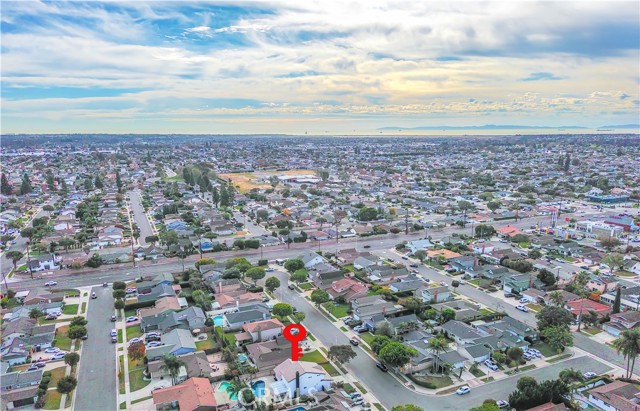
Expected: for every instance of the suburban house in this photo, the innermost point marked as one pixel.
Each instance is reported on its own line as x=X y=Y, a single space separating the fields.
x=386 y=274
x=516 y=283
x=269 y=354
x=508 y=325
x=246 y=314
x=305 y=378
x=24 y=310
x=264 y=330
x=190 y=319
x=460 y=332
x=157 y=292
x=419 y=245
x=175 y=342
x=310 y=259
x=368 y=307
x=549 y=406
x=601 y=283
x=162 y=304
x=44 y=262
x=193 y=394
x=19 y=389
x=437 y=294
x=366 y=261
x=464 y=310
x=147 y=286
x=630 y=298
x=452 y=358
x=584 y=305
x=566 y=296
x=22 y=334
x=409 y=284
x=348 y=289
x=533 y=295
x=621 y=322
x=196 y=364
x=615 y=396
x=324 y=275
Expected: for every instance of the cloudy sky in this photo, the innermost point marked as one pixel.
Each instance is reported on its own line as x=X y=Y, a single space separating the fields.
x=316 y=66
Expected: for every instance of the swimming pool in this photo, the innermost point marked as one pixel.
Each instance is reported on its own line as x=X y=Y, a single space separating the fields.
x=298 y=409
x=223 y=388
x=258 y=388
x=218 y=321
x=243 y=357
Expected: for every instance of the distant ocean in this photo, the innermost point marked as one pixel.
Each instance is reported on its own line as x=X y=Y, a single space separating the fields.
x=504 y=132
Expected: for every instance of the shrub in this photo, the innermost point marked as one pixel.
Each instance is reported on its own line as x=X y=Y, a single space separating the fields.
x=263 y=262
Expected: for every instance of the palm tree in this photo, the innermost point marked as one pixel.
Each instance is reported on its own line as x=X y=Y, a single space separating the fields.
x=172 y=365
x=629 y=345
x=234 y=387
x=556 y=298
x=438 y=345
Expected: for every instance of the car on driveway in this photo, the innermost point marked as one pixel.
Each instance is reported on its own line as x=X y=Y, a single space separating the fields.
x=491 y=365
x=589 y=375
x=522 y=308
x=527 y=355
x=136 y=340
x=32 y=368
x=51 y=317
x=130 y=290
x=132 y=319
x=50 y=283
x=382 y=367
x=463 y=390
x=39 y=365
x=52 y=350
x=535 y=352
x=153 y=344
x=523 y=300
x=58 y=356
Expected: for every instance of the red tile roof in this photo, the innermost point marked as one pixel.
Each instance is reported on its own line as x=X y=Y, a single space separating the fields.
x=194 y=393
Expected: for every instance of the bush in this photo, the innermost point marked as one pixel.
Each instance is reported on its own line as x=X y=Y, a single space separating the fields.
x=421 y=383
x=255 y=289
x=135 y=306
x=263 y=262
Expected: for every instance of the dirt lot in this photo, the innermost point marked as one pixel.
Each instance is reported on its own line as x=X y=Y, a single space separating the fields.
x=247 y=181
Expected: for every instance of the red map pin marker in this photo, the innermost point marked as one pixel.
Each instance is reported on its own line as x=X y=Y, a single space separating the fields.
x=295 y=338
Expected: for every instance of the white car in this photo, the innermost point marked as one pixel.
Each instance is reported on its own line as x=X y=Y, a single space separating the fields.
x=130 y=291
x=535 y=352
x=58 y=356
x=491 y=365
x=132 y=319
x=502 y=404
x=523 y=300
x=154 y=344
x=589 y=375
x=463 y=390
x=522 y=308
x=135 y=340
x=52 y=350
x=50 y=283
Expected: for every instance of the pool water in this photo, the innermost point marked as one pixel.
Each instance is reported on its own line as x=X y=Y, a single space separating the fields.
x=223 y=388
x=298 y=409
x=258 y=388
x=242 y=357
x=218 y=321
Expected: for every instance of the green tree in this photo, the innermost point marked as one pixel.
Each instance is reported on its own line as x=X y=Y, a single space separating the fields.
x=169 y=237
x=282 y=310
x=272 y=284
x=319 y=296
x=299 y=276
x=614 y=260
x=66 y=384
x=629 y=345
x=494 y=205
x=558 y=337
x=94 y=261
x=378 y=342
x=341 y=354
x=569 y=376
x=119 y=285
x=76 y=331
x=447 y=315
x=25 y=186
x=255 y=273
x=172 y=365
x=534 y=254
x=293 y=265
x=78 y=320
x=66 y=243
x=98 y=182
x=546 y=277
x=397 y=354
x=550 y=316
x=136 y=351
x=385 y=328
x=487 y=405
x=616 y=303
x=437 y=345
x=5 y=188
x=420 y=255
x=204 y=261
x=118 y=304
x=151 y=239
x=14 y=256
x=71 y=359
x=367 y=214
x=515 y=354
x=118 y=294
x=608 y=242
x=556 y=298
x=202 y=299
x=299 y=317
x=414 y=304
x=484 y=231
x=35 y=313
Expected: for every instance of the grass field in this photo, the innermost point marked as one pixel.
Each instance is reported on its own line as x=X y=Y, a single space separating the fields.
x=305 y=286
x=56 y=375
x=136 y=380
x=545 y=349
x=205 y=344
x=133 y=332
x=62 y=341
x=592 y=331
x=83 y=309
x=367 y=337
x=247 y=181
x=52 y=400
x=337 y=310
x=317 y=357
x=70 y=309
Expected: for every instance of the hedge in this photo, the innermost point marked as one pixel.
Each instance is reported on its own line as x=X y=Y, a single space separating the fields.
x=421 y=383
x=135 y=306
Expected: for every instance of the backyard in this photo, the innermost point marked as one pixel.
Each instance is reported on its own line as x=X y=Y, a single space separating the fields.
x=62 y=341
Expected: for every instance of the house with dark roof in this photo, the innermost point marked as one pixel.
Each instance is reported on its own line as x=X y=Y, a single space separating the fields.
x=621 y=322
x=196 y=364
x=175 y=342
x=247 y=313
x=268 y=354
x=437 y=294
x=188 y=319
x=19 y=389
x=460 y=332
x=156 y=292
x=615 y=396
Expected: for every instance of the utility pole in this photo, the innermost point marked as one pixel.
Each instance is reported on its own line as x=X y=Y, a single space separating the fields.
x=29 y=259
x=200 y=244
x=406 y=221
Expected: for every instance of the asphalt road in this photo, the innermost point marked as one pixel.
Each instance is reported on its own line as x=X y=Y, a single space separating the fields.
x=139 y=216
x=97 y=377
x=389 y=391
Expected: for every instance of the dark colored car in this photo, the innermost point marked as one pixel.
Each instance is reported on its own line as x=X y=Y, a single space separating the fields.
x=291 y=287
x=367 y=246
x=85 y=337
x=354 y=342
x=507 y=295
x=382 y=367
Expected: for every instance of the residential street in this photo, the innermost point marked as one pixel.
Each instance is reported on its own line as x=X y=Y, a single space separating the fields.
x=139 y=216
x=97 y=377
x=389 y=391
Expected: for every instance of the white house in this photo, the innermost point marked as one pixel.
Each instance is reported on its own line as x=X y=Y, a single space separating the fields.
x=44 y=262
x=311 y=259
x=416 y=245
x=264 y=330
x=307 y=376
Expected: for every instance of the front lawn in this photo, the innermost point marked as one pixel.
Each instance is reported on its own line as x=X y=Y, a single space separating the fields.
x=624 y=274
x=592 y=331
x=477 y=372
x=133 y=332
x=52 y=400
x=70 y=309
x=136 y=380
x=56 y=375
x=367 y=337
x=545 y=349
x=62 y=340
x=486 y=311
x=534 y=307
x=305 y=286
x=337 y=310
x=313 y=356
x=429 y=381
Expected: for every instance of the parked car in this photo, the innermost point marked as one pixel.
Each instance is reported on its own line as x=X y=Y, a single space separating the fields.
x=114 y=339
x=32 y=368
x=52 y=350
x=404 y=257
x=589 y=375
x=40 y=364
x=354 y=341
x=527 y=355
x=291 y=287
x=584 y=267
x=346 y=320
x=58 y=356
x=85 y=337
x=136 y=340
x=463 y=390
x=522 y=308
x=491 y=365
x=130 y=290
x=535 y=352
x=132 y=319
x=366 y=246
x=382 y=367
x=105 y=284
x=153 y=344
x=50 y=283
x=502 y=404
x=523 y=300
x=51 y=317
x=113 y=318
x=413 y=265
x=93 y=296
